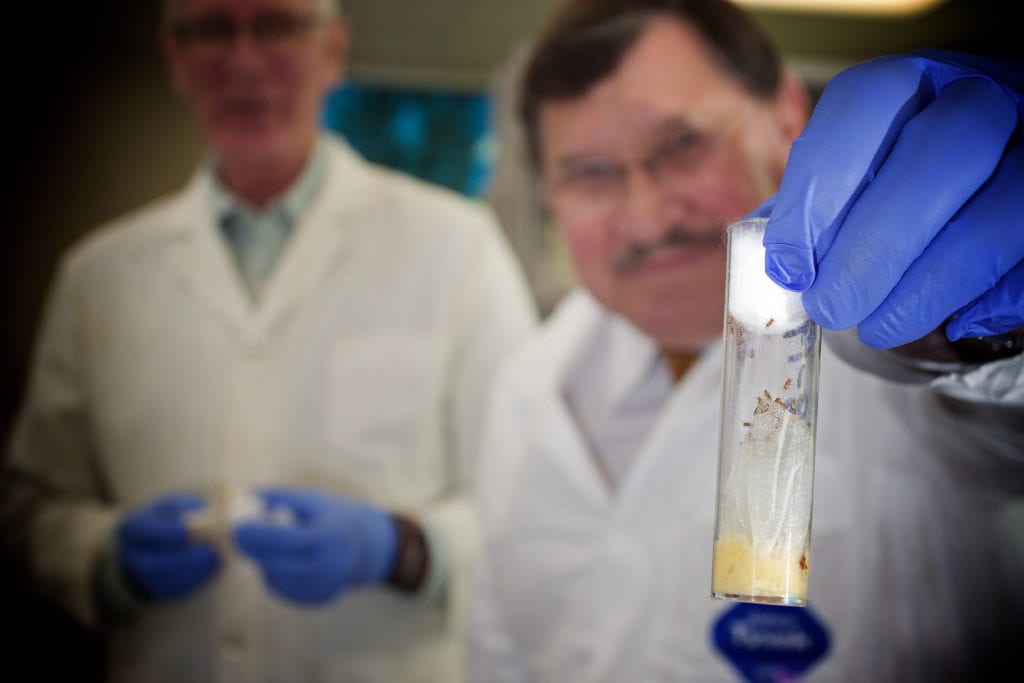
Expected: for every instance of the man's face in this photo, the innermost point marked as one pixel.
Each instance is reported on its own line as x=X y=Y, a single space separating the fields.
x=256 y=72
x=645 y=170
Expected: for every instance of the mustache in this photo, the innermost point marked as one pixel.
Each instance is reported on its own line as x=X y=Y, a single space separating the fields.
x=637 y=253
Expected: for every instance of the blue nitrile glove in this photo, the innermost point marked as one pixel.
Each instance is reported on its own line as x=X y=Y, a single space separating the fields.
x=155 y=551
x=333 y=544
x=902 y=203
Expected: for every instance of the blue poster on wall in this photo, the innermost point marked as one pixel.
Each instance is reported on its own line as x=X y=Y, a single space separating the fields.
x=441 y=136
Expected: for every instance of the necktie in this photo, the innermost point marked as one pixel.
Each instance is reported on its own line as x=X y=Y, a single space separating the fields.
x=259 y=240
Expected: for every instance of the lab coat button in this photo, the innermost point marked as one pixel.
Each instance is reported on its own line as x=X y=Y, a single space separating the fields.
x=232 y=649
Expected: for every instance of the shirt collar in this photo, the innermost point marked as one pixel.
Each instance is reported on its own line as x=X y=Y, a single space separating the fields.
x=289 y=205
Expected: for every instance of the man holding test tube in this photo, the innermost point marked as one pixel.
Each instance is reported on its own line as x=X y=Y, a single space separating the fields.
x=655 y=123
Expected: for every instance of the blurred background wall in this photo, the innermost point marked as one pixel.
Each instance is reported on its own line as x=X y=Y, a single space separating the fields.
x=93 y=129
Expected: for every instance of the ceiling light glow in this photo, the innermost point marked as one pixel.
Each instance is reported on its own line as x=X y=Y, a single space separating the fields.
x=893 y=8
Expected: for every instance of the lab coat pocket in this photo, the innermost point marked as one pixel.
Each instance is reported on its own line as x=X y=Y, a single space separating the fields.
x=383 y=396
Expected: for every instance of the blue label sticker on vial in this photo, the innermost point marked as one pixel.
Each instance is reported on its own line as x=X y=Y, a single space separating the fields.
x=770 y=644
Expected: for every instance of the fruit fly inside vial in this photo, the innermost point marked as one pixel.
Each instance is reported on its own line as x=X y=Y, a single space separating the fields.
x=766 y=449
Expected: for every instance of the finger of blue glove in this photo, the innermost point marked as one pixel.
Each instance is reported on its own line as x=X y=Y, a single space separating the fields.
x=931 y=172
x=999 y=311
x=848 y=136
x=295 y=581
x=163 y=575
x=967 y=260
x=947 y=64
x=264 y=542
x=361 y=545
x=371 y=530
x=299 y=564
x=159 y=524
x=334 y=543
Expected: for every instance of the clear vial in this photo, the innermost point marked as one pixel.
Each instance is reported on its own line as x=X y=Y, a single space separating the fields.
x=766 y=449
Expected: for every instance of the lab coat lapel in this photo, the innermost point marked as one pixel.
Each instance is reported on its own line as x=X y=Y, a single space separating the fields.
x=201 y=260
x=570 y=448
x=678 y=463
x=341 y=202
x=569 y=451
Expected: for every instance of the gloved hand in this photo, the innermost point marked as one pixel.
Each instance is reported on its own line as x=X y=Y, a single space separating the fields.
x=334 y=544
x=155 y=551
x=902 y=203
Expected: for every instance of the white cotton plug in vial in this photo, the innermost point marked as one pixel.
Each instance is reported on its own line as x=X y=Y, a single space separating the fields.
x=766 y=448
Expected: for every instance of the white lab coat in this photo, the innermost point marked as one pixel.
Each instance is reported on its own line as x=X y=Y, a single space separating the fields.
x=362 y=371
x=579 y=583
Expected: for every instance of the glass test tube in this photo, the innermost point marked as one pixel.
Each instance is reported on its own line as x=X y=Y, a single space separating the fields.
x=766 y=449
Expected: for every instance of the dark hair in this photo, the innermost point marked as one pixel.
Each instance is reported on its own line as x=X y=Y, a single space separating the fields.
x=586 y=40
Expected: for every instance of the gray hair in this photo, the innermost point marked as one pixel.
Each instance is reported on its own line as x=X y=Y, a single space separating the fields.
x=330 y=8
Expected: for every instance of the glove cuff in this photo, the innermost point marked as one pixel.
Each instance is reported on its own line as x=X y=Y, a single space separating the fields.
x=117 y=600
x=927 y=358
x=412 y=560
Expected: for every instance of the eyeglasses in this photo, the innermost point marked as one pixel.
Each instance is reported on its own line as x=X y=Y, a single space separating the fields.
x=594 y=184
x=214 y=34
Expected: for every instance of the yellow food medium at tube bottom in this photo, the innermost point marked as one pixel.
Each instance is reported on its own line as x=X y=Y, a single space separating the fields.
x=764 y=578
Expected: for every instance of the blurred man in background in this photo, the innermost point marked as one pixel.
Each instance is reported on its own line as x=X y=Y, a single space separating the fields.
x=655 y=123
x=248 y=434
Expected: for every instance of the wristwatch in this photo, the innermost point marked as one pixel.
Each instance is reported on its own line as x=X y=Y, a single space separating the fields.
x=413 y=560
